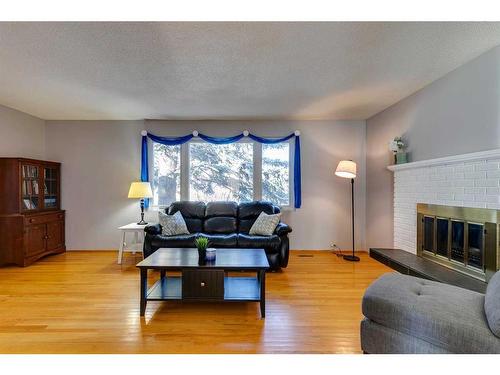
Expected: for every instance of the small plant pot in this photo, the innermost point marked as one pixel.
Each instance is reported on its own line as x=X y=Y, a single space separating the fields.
x=202 y=256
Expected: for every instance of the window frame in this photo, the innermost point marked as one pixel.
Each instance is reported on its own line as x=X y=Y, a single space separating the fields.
x=257 y=170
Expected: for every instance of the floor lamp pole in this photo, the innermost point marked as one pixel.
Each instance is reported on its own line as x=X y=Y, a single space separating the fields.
x=352 y=258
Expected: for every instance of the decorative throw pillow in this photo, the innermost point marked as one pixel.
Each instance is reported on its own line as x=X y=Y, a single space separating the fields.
x=172 y=225
x=265 y=224
x=492 y=304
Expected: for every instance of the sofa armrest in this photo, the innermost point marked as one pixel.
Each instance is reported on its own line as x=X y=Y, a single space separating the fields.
x=282 y=229
x=153 y=229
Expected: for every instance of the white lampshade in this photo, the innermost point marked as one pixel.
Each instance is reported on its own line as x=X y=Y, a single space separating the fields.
x=140 y=190
x=346 y=169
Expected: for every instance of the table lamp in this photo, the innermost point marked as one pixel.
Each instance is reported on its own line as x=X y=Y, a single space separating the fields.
x=347 y=169
x=140 y=190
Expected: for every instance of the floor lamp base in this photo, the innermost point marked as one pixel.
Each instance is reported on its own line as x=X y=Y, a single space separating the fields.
x=351 y=258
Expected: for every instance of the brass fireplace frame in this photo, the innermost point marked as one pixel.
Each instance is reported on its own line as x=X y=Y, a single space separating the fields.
x=489 y=218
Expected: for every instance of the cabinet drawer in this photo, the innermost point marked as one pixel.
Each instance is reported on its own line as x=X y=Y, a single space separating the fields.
x=203 y=284
x=42 y=219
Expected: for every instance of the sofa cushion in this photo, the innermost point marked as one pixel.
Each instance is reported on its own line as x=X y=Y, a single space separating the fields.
x=265 y=224
x=172 y=225
x=221 y=240
x=220 y=217
x=492 y=304
x=183 y=240
x=269 y=242
x=248 y=212
x=224 y=208
x=192 y=212
x=224 y=225
x=443 y=315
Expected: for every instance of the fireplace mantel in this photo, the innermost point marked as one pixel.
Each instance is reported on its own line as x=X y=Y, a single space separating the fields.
x=473 y=156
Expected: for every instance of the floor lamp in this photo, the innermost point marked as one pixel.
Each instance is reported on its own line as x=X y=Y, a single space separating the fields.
x=347 y=169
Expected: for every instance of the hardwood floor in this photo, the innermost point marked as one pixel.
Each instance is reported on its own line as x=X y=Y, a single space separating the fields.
x=83 y=302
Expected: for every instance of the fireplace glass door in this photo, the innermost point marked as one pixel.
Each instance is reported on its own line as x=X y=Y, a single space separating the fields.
x=457 y=241
x=429 y=234
x=442 y=237
x=475 y=254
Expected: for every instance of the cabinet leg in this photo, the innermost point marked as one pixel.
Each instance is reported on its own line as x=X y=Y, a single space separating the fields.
x=120 y=251
x=144 y=290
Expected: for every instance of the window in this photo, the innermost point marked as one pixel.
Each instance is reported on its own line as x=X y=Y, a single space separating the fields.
x=221 y=172
x=276 y=173
x=242 y=171
x=166 y=182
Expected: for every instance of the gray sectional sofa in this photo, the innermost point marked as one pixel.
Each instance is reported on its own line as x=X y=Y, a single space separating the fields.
x=405 y=314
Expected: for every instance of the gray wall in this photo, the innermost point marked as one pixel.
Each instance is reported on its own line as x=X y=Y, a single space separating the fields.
x=21 y=134
x=454 y=115
x=101 y=158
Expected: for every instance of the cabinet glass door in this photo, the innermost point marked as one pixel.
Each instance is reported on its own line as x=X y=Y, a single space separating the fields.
x=30 y=194
x=50 y=193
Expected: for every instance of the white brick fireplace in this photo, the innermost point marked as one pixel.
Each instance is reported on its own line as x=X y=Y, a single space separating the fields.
x=468 y=180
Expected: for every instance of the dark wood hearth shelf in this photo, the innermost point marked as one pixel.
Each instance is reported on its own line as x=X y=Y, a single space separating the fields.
x=410 y=264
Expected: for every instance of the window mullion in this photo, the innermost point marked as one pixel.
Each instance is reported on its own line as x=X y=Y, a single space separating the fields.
x=257 y=171
x=185 y=171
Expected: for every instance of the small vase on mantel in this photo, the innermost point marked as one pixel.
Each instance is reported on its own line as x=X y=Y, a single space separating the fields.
x=401 y=157
x=398 y=147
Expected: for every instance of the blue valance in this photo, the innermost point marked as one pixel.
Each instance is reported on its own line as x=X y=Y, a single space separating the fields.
x=172 y=141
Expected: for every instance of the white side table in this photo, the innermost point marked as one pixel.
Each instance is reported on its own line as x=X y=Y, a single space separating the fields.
x=137 y=245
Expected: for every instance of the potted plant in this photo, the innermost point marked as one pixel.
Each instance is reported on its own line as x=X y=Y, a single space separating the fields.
x=201 y=244
x=398 y=146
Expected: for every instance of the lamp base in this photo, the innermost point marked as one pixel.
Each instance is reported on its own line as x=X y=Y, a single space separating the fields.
x=351 y=258
x=142 y=222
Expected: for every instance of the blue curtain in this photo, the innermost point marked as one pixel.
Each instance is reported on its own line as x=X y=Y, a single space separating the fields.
x=144 y=165
x=297 y=189
x=221 y=141
x=172 y=141
x=270 y=141
x=169 y=141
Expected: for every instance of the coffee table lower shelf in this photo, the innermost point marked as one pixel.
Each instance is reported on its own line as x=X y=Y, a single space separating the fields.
x=216 y=281
x=236 y=289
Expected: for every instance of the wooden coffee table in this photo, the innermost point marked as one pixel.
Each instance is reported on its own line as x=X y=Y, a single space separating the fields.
x=208 y=282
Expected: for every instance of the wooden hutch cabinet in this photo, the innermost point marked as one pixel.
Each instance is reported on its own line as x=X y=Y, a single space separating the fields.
x=31 y=219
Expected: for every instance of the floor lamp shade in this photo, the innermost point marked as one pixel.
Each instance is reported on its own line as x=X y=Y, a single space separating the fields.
x=347 y=169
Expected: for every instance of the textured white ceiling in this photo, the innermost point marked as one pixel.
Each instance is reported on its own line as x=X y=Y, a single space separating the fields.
x=187 y=70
